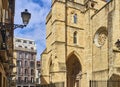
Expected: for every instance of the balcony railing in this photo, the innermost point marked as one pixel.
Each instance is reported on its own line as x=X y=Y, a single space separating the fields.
x=20 y=73
x=3 y=55
x=103 y=83
x=58 y=84
x=12 y=65
x=13 y=83
x=6 y=66
x=13 y=74
x=32 y=74
x=25 y=49
x=25 y=82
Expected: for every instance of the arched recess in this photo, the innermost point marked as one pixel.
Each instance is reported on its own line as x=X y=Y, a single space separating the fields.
x=49 y=62
x=50 y=68
x=114 y=81
x=74 y=71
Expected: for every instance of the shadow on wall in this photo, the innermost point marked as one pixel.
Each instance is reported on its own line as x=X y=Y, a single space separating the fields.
x=43 y=81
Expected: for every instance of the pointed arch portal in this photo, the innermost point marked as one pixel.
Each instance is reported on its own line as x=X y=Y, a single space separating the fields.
x=73 y=71
x=114 y=81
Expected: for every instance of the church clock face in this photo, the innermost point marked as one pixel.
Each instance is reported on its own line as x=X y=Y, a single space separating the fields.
x=100 y=37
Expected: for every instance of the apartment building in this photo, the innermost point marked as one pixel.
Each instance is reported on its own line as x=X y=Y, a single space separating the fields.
x=7 y=8
x=25 y=54
x=38 y=65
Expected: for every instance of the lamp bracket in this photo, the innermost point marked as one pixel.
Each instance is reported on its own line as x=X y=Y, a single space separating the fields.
x=10 y=26
x=18 y=26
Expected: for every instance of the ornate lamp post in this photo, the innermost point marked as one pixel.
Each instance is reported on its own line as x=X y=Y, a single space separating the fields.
x=4 y=26
x=5 y=29
x=118 y=44
x=25 y=18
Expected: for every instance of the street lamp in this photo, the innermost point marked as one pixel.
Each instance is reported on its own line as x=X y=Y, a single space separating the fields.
x=6 y=26
x=25 y=18
x=118 y=44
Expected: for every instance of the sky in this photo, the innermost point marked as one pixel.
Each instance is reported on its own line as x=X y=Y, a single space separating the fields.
x=36 y=29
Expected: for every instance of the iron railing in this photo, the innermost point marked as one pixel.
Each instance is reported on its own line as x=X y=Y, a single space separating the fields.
x=105 y=83
x=58 y=84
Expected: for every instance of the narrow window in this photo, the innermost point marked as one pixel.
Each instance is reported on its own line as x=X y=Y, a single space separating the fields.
x=32 y=79
x=26 y=72
x=19 y=71
x=75 y=18
x=24 y=41
x=20 y=46
x=32 y=48
x=75 y=37
x=32 y=72
x=18 y=40
x=26 y=55
x=18 y=63
x=25 y=46
x=25 y=63
x=20 y=55
x=19 y=79
x=25 y=79
x=32 y=64
x=32 y=56
x=30 y=42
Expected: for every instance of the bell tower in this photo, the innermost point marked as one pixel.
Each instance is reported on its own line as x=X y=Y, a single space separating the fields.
x=63 y=23
x=55 y=42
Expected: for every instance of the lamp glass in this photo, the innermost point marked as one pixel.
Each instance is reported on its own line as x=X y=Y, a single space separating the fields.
x=25 y=17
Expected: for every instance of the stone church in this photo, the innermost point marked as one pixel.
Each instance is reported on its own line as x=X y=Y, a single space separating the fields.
x=82 y=44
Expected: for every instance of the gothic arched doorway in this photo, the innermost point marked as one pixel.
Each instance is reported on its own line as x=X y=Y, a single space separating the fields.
x=73 y=71
x=114 y=81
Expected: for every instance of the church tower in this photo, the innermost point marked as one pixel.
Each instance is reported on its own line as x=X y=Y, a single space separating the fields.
x=68 y=60
x=64 y=25
x=54 y=70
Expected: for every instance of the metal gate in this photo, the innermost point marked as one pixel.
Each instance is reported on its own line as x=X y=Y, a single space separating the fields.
x=58 y=84
x=104 y=83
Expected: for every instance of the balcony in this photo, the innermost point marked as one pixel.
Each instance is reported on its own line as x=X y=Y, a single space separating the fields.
x=6 y=66
x=25 y=49
x=13 y=74
x=25 y=82
x=19 y=81
x=19 y=73
x=13 y=83
x=3 y=55
x=12 y=65
x=32 y=74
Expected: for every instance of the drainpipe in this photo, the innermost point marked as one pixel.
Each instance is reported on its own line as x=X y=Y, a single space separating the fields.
x=66 y=37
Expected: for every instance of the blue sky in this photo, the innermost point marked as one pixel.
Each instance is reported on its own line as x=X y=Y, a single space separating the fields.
x=36 y=29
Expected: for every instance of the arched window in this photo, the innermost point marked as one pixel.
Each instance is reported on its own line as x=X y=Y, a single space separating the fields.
x=26 y=71
x=75 y=18
x=75 y=37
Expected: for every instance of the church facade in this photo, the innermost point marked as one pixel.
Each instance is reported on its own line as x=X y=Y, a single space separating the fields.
x=82 y=44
